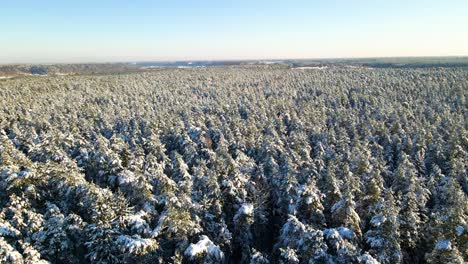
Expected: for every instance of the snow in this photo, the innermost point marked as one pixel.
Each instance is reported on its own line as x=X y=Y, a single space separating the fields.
x=15 y=256
x=258 y=257
x=375 y=242
x=32 y=255
x=443 y=244
x=343 y=232
x=367 y=259
x=346 y=232
x=135 y=244
x=310 y=195
x=290 y=255
x=126 y=177
x=292 y=225
x=246 y=209
x=459 y=229
x=359 y=67
x=311 y=68
x=331 y=233
x=160 y=225
x=151 y=67
x=340 y=204
x=8 y=253
x=174 y=200
x=25 y=174
x=378 y=220
x=8 y=230
x=204 y=246
x=137 y=222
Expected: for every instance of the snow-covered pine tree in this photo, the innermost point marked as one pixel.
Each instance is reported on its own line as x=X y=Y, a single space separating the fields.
x=301 y=243
x=383 y=235
x=447 y=229
x=344 y=212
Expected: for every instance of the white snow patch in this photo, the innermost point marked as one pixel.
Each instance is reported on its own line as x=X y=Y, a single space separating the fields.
x=137 y=222
x=151 y=67
x=160 y=225
x=311 y=68
x=378 y=220
x=126 y=177
x=375 y=242
x=367 y=259
x=343 y=232
x=25 y=174
x=346 y=232
x=9 y=254
x=135 y=244
x=290 y=255
x=443 y=244
x=459 y=229
x=331 y=233
x=204 y=246
x=246 y=209
x=15 y=256
x=8 y=230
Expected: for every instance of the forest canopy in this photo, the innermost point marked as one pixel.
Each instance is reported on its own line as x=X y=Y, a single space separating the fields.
x=239 y=164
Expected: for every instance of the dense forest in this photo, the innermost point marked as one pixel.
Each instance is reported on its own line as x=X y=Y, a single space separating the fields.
x=241 y=164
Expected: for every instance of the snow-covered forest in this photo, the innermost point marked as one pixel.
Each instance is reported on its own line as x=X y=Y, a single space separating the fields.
x=242 y=164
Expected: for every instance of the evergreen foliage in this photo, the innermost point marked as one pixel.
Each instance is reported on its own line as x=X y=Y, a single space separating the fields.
x=240 y=164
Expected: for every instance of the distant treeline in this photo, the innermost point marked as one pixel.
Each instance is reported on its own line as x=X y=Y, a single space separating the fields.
x=403 y=62
x=126 y=67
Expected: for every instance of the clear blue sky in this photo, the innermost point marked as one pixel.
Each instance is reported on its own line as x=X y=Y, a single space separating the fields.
x=104 y=30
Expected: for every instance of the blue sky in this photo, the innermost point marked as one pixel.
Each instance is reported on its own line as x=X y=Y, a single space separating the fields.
x=103 y=30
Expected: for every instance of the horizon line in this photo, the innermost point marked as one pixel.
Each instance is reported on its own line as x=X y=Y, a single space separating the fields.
x=227 y=59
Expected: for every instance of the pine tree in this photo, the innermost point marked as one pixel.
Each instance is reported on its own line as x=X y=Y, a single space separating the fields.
x=204 y=251
x=409 y=218
x=448 y=224
x=344 y=212
x=373 y=191
x=301 y=243
x=243 y=237
x=308 y=206
x=53 y=240
x=331 y=190
x=383 y=236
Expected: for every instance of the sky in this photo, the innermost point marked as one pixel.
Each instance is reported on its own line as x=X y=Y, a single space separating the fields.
x=50 y=31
